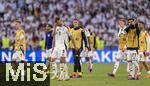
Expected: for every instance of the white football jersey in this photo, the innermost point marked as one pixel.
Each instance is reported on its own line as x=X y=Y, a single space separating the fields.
x=122 y=31
x=61 y=37
x=87 y=34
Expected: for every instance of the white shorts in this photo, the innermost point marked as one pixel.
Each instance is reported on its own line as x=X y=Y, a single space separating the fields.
x=48 y=53
x=84 y=53
x=59 y=52
x=18 y=56
x=121 y=55
x=91 y=53
x=132 y=55
x=141 y=56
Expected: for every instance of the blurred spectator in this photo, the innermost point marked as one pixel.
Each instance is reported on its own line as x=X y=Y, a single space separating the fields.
x=5 y=42
x=42 y=44
x=35 y=41
x=2 y=9
x=99 y=43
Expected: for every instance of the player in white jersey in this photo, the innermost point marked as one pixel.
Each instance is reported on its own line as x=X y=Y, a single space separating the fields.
x=122 y=47
x=92 y=47
x=84 y=52
x=60 y=37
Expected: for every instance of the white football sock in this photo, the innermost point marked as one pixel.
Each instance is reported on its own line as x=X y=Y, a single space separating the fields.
x=54 y=68
x=137 y=66
x=61 y=71
x=116 y=66
x=131 y=69
x=66 y=71
x=90 y=63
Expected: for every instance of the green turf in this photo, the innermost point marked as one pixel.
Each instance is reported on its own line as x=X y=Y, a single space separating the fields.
x=99 y=77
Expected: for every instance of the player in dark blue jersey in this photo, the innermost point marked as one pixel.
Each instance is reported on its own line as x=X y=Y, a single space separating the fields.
x=48 y=44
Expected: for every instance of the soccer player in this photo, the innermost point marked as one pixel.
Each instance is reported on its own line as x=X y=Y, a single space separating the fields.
x=20 y=47
x=143 y=48
x=92 y=47
x=122 y=46
x=48 y=46
x=78 y=36
x=60 y=40
x=132 y=43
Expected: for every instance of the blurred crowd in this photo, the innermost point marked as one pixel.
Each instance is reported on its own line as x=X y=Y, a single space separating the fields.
x=99 y=16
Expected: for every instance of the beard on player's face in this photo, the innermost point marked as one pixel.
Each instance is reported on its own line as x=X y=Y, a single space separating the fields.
x=130 y=22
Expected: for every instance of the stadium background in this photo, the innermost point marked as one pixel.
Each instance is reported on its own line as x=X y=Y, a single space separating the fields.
x=98 y=16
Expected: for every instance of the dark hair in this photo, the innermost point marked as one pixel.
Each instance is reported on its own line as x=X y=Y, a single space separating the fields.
x=57 y=19
x=76 y=20
x=142 y=22
x=130 y=19
x=49 y=25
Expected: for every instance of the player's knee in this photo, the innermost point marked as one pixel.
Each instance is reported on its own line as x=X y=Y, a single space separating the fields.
x=62 y=60
x=53 y=59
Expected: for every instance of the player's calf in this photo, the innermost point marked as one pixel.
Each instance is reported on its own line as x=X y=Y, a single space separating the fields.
x=54 y=68
x=63 y=70
x=90 y=65
x=47 y=66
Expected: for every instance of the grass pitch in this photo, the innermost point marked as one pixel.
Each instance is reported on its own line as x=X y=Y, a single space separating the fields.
x=99 y=77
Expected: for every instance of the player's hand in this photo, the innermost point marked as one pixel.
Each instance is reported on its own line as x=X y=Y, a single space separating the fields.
x=135 y=22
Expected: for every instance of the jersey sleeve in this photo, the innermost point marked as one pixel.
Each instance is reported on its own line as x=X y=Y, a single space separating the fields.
x=67 y=32
x=87 y=33
x=84 y=38
x=148 y=42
